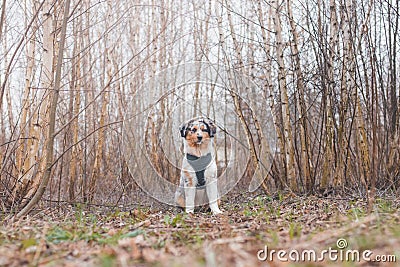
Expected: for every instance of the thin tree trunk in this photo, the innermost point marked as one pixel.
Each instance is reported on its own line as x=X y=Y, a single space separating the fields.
x=329 y=174
x=2 y=17
x=24 y=164
x=305 y=154
x=375 y=129
x=394 y=119
x=241 y=109
x=52 y=121
x=74 y=110
x=33 y=167
x=276 y=112
x=103 y=113
x=289 y=148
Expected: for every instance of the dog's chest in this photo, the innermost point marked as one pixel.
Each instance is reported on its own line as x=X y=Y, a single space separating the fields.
x=199 y=165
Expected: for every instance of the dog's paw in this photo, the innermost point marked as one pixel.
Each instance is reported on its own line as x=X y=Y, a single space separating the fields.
x=216 y=211
x=189 y=210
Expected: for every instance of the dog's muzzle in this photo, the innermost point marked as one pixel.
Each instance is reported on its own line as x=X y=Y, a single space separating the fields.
x=199 y=139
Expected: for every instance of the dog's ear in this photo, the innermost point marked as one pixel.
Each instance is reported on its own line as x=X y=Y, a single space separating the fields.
x=183 y=129
x=211 y=126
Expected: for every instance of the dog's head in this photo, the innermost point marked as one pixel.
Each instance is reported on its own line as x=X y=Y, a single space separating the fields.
x=198 y=129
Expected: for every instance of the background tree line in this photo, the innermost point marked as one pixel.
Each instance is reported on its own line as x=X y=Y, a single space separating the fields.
x=327 y=69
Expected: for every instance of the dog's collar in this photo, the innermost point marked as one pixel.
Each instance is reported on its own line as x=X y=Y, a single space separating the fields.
x=199 y=164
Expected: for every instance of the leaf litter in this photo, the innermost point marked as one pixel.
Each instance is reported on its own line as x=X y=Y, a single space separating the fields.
x=167 y=236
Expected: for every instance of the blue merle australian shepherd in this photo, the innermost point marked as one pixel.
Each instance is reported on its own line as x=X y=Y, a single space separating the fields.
x=199 y=169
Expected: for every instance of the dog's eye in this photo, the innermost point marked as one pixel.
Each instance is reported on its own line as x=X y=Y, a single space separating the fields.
x=204 y=130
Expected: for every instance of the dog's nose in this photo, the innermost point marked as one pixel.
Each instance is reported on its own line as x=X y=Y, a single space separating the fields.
x=199 y=137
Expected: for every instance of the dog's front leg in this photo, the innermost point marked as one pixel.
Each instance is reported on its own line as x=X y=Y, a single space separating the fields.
x=190 y=194
x=212 y=193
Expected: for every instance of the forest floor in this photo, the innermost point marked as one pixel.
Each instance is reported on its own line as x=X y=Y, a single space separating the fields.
x=281 y=231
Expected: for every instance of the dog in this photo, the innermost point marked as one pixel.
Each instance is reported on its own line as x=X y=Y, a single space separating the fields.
x=199 y=169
